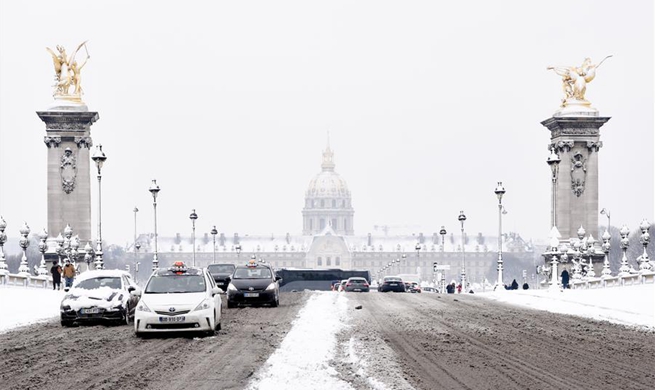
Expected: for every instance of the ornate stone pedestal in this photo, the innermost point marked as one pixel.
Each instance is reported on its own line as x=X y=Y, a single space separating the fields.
x=68 y=141
x=576 y=139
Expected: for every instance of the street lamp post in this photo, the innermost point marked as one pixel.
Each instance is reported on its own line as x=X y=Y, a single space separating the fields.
x=500 y=191
x=238 y=249
x=154 y=190
x=553 y=161
x=606 y=213
x=193 y=216
x=214 y=232
x=461 y=218
x=99 y=158
x=418 y=249
x=136 y=210
x=443 y=236
x=404 y=256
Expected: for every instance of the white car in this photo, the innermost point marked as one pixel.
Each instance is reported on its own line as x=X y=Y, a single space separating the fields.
x=107 y=295
x=179 y=299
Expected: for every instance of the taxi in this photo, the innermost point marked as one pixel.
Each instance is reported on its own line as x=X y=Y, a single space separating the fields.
x=179 y=298
x=253 y=283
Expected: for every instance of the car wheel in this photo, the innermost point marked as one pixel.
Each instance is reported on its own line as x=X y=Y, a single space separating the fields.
x=231 y=305
x=276 y=302
x=139 y=334
x=66 y=323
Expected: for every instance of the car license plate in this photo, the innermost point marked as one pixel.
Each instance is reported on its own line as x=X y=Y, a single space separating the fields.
x=393 y=284
x=357 y=289
x=220 y=284
x=251 y=295
x=172 y=319
x=93 y=310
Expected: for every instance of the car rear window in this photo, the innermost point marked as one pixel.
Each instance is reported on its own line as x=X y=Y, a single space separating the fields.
x=220 y=268
x=253 y=273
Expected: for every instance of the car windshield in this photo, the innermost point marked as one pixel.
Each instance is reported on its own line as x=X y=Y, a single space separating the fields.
x=220 y=268
x=252 y=273
x=103 y=281
x=357 y=280
x=162 y=284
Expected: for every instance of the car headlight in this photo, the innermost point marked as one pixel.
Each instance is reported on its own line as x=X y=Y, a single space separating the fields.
x=143 y=307
x=230 y=287
x=204 y=305
x=271 y=286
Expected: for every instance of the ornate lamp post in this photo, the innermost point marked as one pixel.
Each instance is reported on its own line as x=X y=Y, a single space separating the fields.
x=154 y=190
x=88 y=255
x=554 y=244
x=24 y=242
x=238 y=249
x=500 y=191
x=3 y=238
x=60 y=246
x=135 y=210
x=606 y=213
x=644 y=240
x=404 y=258
x=461 y=218
x=443 y=234
x=214 y=232
x=607 y=272
x=418 y=249
x=193 y=216
x=553 y=161
x=625 y=268
x=99 y=158
x=43 y=247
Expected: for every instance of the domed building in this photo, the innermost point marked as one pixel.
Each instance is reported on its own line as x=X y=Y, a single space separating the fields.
x=327 y=201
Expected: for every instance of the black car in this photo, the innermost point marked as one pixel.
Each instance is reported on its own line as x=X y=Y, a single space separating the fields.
x=253 y=284
x=392 y=283
x=221 y=274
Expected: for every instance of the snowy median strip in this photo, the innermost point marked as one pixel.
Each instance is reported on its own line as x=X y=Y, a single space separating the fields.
x=302 y=360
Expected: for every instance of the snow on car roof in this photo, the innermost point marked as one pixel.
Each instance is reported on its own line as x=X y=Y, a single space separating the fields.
x=117 y=273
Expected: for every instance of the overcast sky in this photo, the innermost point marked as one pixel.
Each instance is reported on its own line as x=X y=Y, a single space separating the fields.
x=228 y=105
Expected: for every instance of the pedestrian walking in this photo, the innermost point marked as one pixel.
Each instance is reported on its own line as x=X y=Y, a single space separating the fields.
x=69 y=274
x=56 y=275
x=565 y=279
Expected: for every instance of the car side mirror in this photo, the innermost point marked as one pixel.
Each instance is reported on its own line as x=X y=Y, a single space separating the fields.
x=277 y=278
x=228 y=279
x=134 y=291
x=131 y=288
x=216 y=290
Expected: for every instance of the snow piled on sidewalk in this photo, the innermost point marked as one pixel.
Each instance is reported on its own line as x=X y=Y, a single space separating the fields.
x=20 y=306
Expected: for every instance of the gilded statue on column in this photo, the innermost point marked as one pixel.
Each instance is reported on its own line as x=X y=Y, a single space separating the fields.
x=68 y=79
x=575 y=80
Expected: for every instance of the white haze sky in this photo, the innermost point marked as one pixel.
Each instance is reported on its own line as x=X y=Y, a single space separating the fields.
x=227 y=105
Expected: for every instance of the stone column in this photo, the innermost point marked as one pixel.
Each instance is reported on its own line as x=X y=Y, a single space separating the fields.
x=576 y=139
x=69 y=187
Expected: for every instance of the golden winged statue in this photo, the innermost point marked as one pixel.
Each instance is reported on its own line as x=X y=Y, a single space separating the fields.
x=68 y=73
x=575 y=80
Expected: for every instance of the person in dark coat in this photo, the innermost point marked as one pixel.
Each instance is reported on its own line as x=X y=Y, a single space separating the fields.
x=525 y=286
x=450 y=289
x=515 y=285
x=565 y=279
x=56 y=275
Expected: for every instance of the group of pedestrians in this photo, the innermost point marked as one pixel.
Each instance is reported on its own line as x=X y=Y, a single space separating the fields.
x=68 y=272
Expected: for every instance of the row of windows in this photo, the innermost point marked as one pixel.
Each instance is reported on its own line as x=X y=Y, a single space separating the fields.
x=323 y=203
x=328 y=261
x=335 y=225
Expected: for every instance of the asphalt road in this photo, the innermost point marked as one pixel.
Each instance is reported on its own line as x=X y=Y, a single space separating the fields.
x=406 y=341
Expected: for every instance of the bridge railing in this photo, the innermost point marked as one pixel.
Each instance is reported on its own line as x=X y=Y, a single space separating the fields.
x=25 y=280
